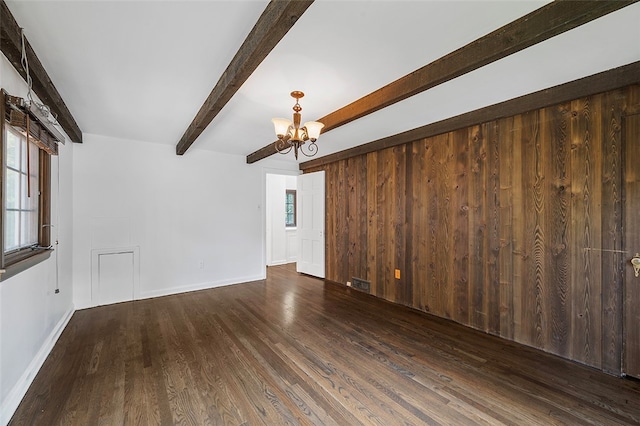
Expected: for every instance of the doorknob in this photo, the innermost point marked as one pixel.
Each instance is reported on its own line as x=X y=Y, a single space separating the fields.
x=635 y=261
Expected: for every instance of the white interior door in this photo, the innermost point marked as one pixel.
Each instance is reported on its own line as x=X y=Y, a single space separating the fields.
x=310 y=208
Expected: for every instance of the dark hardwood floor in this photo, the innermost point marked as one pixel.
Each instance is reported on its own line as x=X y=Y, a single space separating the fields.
x=294 y=350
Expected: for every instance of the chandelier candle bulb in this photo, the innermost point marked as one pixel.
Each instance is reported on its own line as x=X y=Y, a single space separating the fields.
x=282 y=126
x=313 y=129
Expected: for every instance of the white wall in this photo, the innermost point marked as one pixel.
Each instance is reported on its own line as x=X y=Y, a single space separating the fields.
x=197 y=219
x=32 y=315
x=282 y=242
x=180 y=212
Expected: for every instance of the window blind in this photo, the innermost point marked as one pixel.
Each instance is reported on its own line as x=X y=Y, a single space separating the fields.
x=28 y=119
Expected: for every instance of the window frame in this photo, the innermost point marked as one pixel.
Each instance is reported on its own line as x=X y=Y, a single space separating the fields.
x=13 y=263
x=295 y=208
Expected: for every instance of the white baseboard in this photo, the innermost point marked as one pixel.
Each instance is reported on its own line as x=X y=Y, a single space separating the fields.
x=198 y=286
x=10 y=404
x=86 y=304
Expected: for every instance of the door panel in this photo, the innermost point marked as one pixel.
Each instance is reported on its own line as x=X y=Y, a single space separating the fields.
x=631 y=225
x=310 y=196
x=115 y=275
x=115 y=278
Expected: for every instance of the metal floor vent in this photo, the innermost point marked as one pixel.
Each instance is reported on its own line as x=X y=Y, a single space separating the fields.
x=360 y=284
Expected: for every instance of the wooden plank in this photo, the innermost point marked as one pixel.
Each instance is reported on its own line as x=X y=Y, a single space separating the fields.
x=533 y=236
x=276 y=20
x=350 y=230
x=585 y=236
x=632 y=240
x=11 y=47
x=595 y=299
x=477 y=181
x=460 y=227
x=557 y=172
x=420 y=235
x=372 y=222
x=362 y=221
x=394 y=189
x=331 y=228
x=390 y=217
x=340 y=211
x=430 y=199
x=443 y=251
x=506 y=255
x=402 y=286
x=612 y=255
x=492 y=199
x=383 y=218
x=535 y=27
x=407 y=228
x=415 y=208
x=597 y=83
x=519 y=212
x=391 y=243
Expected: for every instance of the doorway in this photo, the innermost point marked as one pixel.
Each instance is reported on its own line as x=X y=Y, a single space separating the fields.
x=281 y=231
x=303 y=243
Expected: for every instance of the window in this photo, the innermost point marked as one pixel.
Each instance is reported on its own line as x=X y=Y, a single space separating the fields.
x=290 y=208
x=25 y=190
x=22 y=192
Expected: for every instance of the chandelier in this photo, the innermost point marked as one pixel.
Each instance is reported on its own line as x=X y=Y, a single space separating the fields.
x=291 y=135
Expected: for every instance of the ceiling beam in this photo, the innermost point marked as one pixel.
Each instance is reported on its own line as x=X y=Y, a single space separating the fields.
x=598 y=83
x=11 y=47
x=544 y=23
x=276 y=20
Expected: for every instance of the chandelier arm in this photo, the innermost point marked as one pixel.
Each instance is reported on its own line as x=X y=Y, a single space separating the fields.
x=304 y=135
x=311 y=147
x=283 y=146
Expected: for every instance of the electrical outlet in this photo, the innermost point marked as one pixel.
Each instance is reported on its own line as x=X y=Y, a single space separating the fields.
x=397 y=274
x=348 y=283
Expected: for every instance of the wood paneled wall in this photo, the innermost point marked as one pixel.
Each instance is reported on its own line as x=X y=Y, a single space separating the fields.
x=511 y=226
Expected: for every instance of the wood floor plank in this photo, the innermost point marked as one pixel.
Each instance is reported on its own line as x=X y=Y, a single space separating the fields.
x=297 y=350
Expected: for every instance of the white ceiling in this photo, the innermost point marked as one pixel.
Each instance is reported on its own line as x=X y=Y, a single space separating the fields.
x=140 y=70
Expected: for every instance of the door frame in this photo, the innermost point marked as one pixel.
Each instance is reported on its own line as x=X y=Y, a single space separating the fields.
x=263 y=207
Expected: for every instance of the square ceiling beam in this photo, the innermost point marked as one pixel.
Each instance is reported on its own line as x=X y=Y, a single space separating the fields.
x=544 y=23
x=276 y=20
x=587 y=86
x=11 y=47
